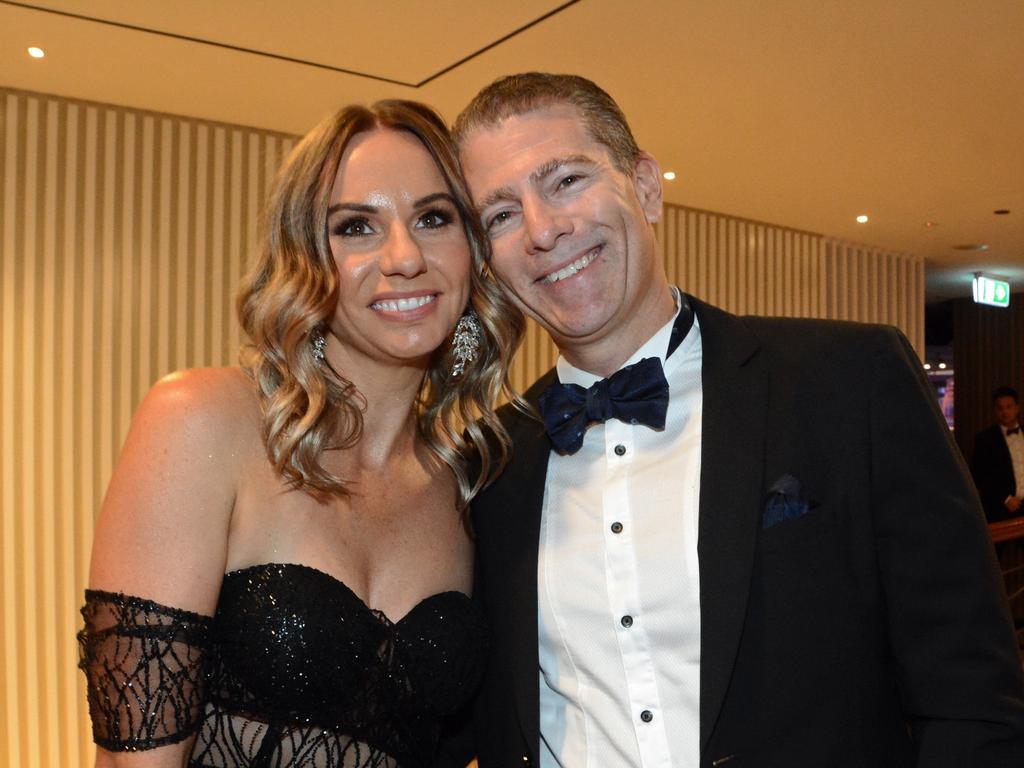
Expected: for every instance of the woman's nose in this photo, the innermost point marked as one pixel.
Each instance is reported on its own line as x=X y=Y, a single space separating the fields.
x=402 y=255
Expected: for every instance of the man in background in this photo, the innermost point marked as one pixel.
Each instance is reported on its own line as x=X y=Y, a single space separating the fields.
x=998 y=462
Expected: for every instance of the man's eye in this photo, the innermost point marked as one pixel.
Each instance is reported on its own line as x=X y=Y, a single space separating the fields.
x=497 y=219
x=355 y=227
x=568 y=181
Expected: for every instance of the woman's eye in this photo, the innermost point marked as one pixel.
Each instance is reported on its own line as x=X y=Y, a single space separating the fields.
x=356 y=227
x=435 y=219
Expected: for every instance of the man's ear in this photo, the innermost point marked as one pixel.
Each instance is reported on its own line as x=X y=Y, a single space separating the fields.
x=647 y=182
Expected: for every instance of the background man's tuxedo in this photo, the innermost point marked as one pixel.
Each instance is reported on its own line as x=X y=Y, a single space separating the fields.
x=868 y=627
x=992 y=467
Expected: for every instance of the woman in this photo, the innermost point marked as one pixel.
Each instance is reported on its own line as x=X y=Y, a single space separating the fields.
x=281 y=568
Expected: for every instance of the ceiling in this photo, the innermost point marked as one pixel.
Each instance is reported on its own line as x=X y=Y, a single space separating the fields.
x=803 y=113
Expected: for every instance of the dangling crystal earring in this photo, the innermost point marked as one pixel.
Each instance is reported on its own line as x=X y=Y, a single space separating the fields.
x=466 y=341
x=318 y=342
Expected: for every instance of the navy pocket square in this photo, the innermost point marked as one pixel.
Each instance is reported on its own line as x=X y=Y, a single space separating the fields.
x=784 y=502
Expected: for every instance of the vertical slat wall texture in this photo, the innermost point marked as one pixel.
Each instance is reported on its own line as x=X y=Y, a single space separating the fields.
x=123 y=236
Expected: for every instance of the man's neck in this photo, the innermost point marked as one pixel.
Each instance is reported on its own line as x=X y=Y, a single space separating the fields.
x=604 y=356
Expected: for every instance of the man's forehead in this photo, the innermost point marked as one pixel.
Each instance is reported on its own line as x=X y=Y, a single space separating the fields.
x=550 y=122
x=522 y=144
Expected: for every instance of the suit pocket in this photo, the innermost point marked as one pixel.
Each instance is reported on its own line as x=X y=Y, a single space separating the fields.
x=814 y=529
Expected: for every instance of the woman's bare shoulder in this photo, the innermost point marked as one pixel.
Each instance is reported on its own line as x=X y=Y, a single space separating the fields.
x=164 y=525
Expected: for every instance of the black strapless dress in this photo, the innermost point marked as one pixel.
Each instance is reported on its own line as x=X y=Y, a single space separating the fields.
x=293 y=671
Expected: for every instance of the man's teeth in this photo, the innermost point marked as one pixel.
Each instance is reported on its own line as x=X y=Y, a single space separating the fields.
x=402 y=305
x=578 y=265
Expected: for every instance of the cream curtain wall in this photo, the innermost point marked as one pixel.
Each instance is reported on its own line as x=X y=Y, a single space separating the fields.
x=123 y=235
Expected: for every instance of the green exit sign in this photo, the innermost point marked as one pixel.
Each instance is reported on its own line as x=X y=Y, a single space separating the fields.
x=989 y=290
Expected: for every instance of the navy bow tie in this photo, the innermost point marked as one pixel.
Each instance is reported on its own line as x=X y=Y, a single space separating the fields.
x=1013 y=431
x=636 y=394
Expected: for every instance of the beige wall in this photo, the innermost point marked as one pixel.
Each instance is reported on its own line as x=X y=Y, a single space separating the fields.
x=123 y=235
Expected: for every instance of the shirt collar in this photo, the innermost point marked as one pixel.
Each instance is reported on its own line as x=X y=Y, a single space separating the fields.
x=656 y=346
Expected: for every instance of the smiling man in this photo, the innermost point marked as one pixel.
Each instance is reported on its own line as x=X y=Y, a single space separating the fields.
x=732 y=541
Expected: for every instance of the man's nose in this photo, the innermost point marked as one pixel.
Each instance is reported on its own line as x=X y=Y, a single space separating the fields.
x=543 y=224
x=402 y=254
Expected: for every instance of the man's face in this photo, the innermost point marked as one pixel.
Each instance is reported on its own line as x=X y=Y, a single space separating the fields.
x=1007 y=410
x=570 y=232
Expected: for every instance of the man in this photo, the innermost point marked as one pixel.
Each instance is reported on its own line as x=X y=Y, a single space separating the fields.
x=998 y=462
x=742 y=541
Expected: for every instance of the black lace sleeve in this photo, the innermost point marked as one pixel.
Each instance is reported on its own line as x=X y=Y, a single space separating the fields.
x=143 y=663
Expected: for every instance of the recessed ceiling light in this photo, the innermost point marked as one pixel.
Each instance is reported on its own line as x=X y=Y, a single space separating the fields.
x=971 y=247
x=36 y=53
x=669 y=175
x=927 y=366
x=942 y=366
x=862 y=219
x=1001 y=211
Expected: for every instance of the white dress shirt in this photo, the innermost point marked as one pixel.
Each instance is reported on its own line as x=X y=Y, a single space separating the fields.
x=1015 y=443
x=618 y=583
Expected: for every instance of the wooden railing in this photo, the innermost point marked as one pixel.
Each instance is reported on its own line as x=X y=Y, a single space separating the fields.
x=1011 y=562
x=1007 y=530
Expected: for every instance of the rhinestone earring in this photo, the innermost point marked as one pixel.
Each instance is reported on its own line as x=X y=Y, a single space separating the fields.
x=318 y=342
x=466 y=341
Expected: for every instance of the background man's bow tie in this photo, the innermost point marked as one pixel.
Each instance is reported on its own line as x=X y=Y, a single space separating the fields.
x=636 y=394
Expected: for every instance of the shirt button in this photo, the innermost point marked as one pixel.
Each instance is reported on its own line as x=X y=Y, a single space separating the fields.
x=626 y=621
x=620 y=450
x=647 y=715
x=616 y=527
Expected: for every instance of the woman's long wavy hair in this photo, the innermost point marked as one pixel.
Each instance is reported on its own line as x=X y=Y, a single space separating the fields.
x=292 y=292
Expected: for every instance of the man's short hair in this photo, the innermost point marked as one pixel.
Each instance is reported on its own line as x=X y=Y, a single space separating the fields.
x=1005 y=391
x=518 y=94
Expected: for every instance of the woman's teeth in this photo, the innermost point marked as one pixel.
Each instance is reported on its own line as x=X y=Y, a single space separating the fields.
x=578 y=265
x=402 y=305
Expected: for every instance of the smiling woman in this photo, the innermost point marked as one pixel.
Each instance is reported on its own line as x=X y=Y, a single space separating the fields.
x=290 y=532
x=402 y=255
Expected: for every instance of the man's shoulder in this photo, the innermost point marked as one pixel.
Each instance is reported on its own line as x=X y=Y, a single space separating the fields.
x=795 y=341
x=816 y=331
x=798 y=332
x=991 y=432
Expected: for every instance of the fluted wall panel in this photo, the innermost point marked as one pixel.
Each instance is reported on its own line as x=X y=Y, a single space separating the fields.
x=124 y=235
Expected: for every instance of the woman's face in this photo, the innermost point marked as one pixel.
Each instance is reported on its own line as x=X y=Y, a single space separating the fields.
x=402 y=255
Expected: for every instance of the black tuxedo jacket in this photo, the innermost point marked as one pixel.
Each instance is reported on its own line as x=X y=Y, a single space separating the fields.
x=871 y=631
x=992 y=467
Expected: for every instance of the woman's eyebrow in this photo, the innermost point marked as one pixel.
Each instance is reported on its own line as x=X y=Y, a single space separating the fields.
x=433 y=198
x=357 y=207
x=364 y=208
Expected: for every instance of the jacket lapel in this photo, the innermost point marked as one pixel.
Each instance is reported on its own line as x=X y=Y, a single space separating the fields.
x=735 y=391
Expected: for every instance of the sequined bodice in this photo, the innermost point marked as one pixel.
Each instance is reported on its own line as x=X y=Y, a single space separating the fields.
x=299 y=673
